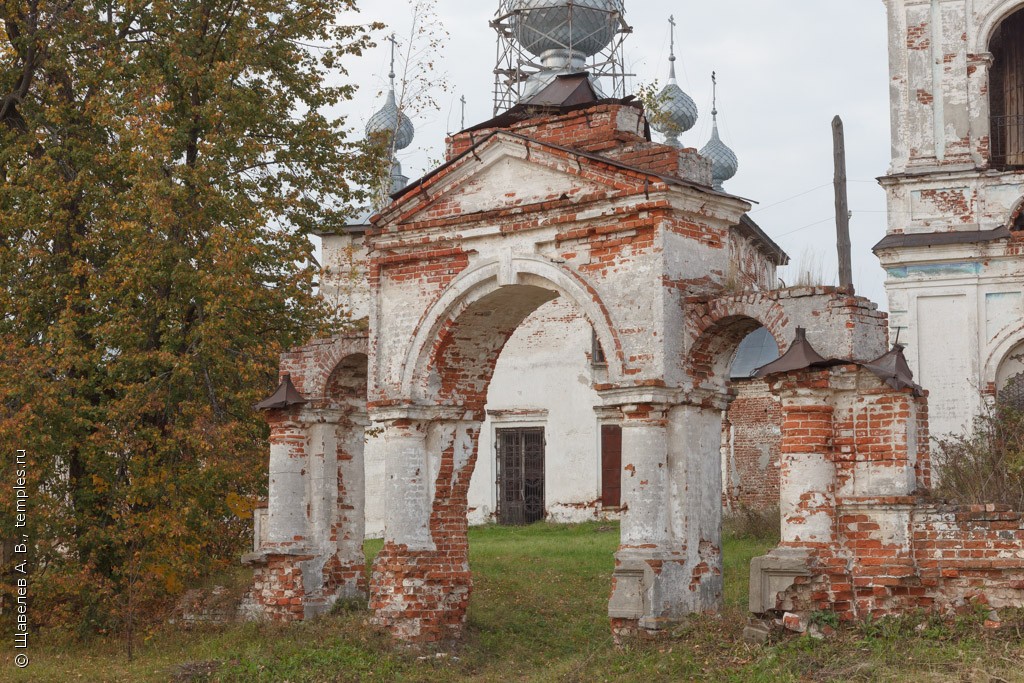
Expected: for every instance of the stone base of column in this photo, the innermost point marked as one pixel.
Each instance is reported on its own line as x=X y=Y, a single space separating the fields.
x=420 y=596
x=652 y=591
x=345 y=580
x=298 y=585
x=278 y=585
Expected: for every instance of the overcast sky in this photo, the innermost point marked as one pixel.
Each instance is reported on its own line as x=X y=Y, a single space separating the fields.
x=785 y=68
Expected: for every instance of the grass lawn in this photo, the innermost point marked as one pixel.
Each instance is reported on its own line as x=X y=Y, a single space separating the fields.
x=538 y=613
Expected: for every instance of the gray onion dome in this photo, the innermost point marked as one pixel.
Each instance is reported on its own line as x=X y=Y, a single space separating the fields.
x=677 y=112
x=584 y=26
x=390 y=120
x=724 y=163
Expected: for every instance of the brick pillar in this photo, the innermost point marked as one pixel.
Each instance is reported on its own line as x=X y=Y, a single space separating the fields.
x=421 y=581
x=807 y=473
x=854 y=452
x=807 y=485
x=281 y=564
x=669 y=561
x=882 y=459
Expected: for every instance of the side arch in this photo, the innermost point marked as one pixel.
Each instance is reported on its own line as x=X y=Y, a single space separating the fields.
x=489 y=278
x=1015 y=219
x=1008 y=338
x=990 y=21
x=312 y=366
x=722 y=325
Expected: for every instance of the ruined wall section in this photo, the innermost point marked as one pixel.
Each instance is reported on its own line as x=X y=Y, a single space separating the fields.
x=308 y=551
x=858 y=538
x=343 y=278
x=752 y=436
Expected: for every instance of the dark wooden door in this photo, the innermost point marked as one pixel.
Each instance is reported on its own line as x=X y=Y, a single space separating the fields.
x=1006 y=92
x=611 y=465
x=520 y=475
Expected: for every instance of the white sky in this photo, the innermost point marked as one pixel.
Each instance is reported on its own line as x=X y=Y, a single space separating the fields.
x=785 y=68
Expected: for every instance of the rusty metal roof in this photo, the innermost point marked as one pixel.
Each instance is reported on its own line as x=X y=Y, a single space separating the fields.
x=565 y=94
x=285 y=396
x=893 y=369
x=567 y=90
x=890 y=367
x=935 y=239
x=767 y=244
x=800 y=356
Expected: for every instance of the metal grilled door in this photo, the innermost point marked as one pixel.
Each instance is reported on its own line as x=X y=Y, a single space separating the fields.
x=520 y=475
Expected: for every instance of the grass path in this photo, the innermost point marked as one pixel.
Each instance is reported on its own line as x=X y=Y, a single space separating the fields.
x=538 y=614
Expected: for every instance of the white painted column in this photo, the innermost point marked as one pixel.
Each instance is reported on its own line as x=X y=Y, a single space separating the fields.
x=640 y=601
x=407 y=484
x=695 y=502
x=645 y=478
x=289 y=460
x=807 y=475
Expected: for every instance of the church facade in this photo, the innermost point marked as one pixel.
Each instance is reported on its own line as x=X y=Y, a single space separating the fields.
x=546 y=326
x=952 y=253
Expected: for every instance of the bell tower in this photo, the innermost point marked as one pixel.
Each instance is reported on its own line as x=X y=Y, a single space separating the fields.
x=955 y=187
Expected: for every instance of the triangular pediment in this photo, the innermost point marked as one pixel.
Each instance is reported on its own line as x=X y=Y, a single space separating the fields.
x=507 y=172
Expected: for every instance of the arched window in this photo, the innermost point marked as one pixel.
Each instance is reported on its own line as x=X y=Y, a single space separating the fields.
x=1006 y=89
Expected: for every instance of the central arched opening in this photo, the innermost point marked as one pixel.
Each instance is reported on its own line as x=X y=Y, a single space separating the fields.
x=478 y=453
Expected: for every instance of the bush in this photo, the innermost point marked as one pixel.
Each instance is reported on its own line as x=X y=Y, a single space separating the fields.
x=987 y=465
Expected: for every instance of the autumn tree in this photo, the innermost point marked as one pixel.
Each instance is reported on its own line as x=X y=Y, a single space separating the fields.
x=162 y=163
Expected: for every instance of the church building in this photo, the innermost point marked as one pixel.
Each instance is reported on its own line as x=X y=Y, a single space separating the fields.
x=952 y=252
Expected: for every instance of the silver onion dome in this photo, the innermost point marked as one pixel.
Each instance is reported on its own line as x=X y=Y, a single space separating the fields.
x=677 y=112
x=583 y=26
x=724 y=163
x=390 y=120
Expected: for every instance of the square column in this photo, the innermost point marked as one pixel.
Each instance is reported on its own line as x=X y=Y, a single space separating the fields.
x=421 y=583
x=669 y=560
x=312 y=554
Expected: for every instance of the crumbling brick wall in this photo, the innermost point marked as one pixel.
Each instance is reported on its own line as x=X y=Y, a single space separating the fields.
x=859 y=535
x=752 y=434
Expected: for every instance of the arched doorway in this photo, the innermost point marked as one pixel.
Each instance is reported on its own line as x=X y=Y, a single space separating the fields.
x=1006 y=92
x=421 y=580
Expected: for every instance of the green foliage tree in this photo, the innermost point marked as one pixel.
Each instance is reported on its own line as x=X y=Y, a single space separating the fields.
x=162 y=163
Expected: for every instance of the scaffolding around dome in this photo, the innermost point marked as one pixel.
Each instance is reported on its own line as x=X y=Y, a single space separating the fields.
x=539 y=40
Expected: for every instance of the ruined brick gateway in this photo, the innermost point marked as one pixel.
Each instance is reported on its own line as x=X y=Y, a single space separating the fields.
x=576 y=203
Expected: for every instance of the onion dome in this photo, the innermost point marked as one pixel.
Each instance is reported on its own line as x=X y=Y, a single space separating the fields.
x=677 y=112
x=390 y=120
x=562 y=34
x=583 y=26
x=724 y=163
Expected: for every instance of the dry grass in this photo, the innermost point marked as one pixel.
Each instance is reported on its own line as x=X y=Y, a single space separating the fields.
x=538 y=614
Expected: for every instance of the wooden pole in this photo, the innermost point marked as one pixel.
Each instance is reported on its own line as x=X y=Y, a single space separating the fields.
x=842 y=206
